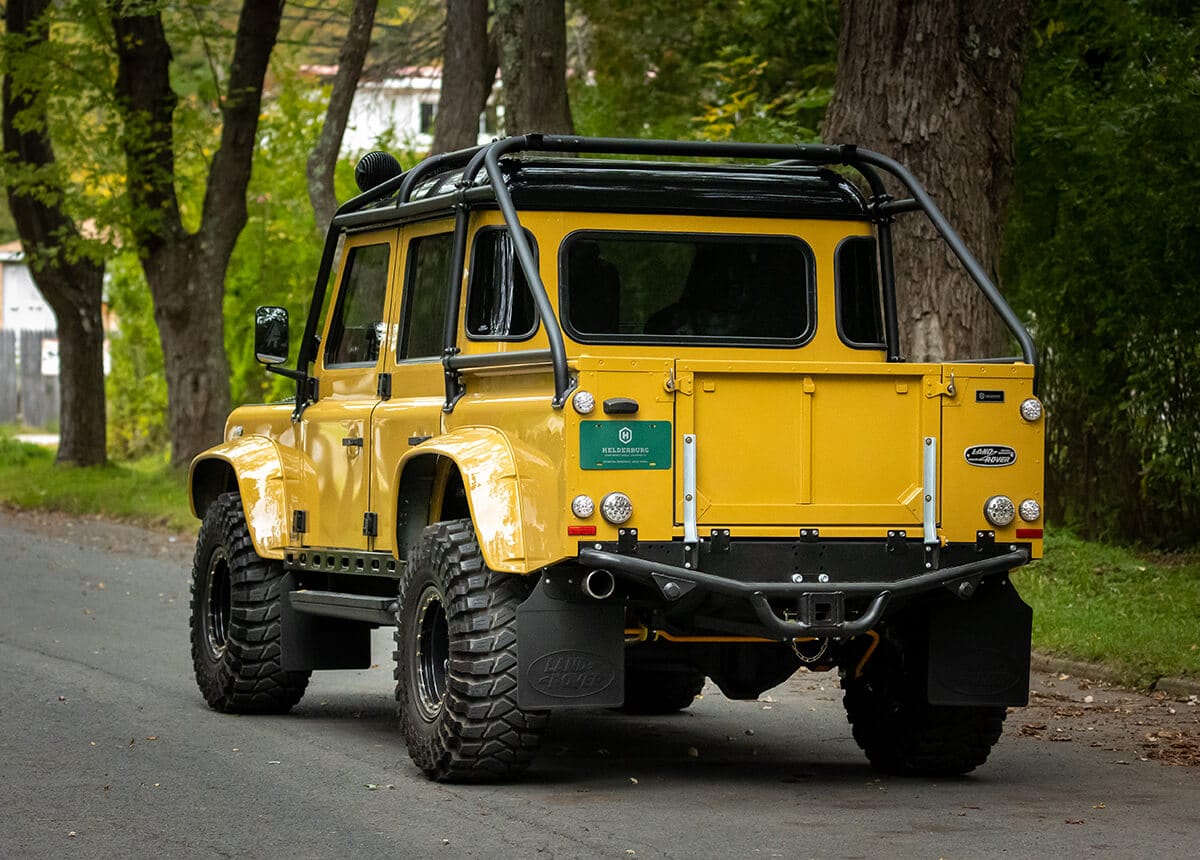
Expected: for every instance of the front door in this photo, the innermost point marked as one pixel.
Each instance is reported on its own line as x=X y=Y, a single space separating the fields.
x=335 y=430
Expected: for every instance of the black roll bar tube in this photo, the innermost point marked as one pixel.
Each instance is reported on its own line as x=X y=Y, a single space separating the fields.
x=847 y=154
x=978 y=275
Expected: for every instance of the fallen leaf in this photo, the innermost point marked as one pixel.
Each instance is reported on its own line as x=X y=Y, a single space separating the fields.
x=71 y=835
x=370 y=786
x=1098 y=806
x=1089 y=699
x=633 y=780
x=1073 y=820
x=693 y=752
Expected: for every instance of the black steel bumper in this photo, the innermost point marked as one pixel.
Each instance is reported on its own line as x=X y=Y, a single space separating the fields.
x=820 y=606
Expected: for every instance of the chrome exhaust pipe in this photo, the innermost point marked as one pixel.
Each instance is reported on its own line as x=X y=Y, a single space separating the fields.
x=599 y=584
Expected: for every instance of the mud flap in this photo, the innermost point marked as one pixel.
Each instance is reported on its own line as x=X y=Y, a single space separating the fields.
x=979 y=648
x=314 y=642
x=570 y=648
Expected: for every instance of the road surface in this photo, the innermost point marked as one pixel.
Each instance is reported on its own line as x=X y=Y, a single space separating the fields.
x=109 y=751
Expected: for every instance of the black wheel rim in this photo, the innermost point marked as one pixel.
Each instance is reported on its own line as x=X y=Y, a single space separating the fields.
x=218 y=605
x=432 y=653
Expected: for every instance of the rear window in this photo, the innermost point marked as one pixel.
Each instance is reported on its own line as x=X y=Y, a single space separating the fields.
x=674 y=287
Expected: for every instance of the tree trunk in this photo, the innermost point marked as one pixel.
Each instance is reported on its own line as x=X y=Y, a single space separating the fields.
x=468 y=69
x=69 y=281
x=936 y=85
x=186 y=272
x=323 y=159
x=532 y=44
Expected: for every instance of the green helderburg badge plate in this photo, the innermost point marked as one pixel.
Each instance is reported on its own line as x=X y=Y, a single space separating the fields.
x=625 y=445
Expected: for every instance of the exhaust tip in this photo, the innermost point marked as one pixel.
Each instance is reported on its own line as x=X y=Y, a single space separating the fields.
x=599 y=584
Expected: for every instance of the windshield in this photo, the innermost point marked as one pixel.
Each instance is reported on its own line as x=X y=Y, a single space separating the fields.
x=674 y=287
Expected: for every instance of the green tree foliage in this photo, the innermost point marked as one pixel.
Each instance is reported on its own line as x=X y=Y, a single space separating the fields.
x=720 y=69
x=1103 y=256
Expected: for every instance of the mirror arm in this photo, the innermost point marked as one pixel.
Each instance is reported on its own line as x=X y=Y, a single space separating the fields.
x=298 y=375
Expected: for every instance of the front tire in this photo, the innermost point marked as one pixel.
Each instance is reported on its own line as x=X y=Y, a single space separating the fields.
x=456 y=662
x=900 y=732
x=235 y=619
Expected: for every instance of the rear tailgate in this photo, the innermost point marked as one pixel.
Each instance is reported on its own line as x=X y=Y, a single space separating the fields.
x=805 y=443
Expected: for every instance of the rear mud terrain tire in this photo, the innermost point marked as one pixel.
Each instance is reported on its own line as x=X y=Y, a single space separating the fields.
x=663 y=691
x=235 y=619
x=902 y=734
x=456 y=662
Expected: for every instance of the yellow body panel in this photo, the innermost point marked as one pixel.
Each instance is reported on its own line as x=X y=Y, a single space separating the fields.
x=259 y=466
x=822 y=435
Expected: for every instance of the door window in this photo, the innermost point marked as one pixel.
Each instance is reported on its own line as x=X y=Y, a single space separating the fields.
x=356 y=329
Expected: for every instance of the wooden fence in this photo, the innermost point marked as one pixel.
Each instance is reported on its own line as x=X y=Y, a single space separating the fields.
x=29 y=378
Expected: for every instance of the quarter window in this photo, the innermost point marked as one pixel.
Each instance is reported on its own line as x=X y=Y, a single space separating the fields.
x=499 y=304
x=425 y=296
x=357 y=326
x=860 y=319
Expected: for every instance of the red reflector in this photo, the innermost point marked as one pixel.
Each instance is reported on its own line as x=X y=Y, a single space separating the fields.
x=587 y=531
x=1029 y=533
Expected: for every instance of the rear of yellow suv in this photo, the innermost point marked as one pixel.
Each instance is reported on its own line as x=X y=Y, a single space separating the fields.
x=669 y=437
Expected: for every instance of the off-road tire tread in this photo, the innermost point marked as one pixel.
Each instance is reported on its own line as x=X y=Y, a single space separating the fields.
x=249 y=678
x=902 y=734
x=480 y=735
x=662 y=691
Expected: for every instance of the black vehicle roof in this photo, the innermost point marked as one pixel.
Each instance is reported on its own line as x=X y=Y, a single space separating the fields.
x=661 y=187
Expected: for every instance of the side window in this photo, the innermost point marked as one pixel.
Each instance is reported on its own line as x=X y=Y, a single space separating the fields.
x=860 y=318
x=425 y=296
x=356 y=329
x=499 y=305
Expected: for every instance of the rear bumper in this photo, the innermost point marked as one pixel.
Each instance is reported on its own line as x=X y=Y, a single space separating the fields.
x=817 y=608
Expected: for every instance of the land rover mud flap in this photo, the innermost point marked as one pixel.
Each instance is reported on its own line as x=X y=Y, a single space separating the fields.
x=570 y=647
x=979 y=648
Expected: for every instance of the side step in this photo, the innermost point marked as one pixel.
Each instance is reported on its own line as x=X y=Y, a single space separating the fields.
x=352 y=607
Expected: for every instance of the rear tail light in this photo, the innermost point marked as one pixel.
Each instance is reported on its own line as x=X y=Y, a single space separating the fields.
x=999 y=510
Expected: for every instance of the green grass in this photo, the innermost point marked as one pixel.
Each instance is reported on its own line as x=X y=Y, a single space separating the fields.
x=147 y=492
x=1137 y=613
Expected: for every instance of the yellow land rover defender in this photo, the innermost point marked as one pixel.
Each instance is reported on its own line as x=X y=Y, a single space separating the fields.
x=587 y=431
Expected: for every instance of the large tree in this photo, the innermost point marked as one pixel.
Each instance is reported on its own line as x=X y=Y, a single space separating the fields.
x=468 y=70
x=323 y=159
x=186 y=270
x=936 y=85
x=70 y=280
x=532 y=45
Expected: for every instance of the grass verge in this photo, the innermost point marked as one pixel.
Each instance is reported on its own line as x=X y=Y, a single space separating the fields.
x=146 y=492
x=1139 y=614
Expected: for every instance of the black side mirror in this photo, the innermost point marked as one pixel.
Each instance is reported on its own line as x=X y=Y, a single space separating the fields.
x=271 y=335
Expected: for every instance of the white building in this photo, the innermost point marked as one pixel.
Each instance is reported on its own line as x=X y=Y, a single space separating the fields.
x=22 y=307
x=404 y=105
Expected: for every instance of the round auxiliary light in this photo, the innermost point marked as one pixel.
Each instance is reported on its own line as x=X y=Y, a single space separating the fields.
x=616 y=508
x=999 y=510
x=1031 y=409
x=584 y=402
x=1030 y=510
x=583 y=507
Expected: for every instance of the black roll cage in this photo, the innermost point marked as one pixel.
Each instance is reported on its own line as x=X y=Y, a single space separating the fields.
x=882 y=208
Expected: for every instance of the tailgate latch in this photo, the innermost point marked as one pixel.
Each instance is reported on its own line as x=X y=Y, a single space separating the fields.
x=937 y=388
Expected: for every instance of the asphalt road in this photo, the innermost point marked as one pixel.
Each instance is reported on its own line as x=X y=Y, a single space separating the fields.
x=108 y=750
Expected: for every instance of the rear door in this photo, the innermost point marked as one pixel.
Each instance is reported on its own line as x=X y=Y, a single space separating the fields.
x=805 y=443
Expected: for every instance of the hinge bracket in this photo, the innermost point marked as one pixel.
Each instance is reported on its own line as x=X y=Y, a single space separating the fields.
x=370 y=524
x=299 y=521
x=383 y=390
